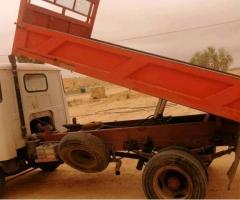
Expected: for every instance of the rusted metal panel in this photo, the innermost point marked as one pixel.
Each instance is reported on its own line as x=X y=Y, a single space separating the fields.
x=193 y=135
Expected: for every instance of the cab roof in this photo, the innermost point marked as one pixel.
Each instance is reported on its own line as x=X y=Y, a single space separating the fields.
x=30 y=67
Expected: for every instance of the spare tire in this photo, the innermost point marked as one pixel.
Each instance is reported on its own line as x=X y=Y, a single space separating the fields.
x=84 y=152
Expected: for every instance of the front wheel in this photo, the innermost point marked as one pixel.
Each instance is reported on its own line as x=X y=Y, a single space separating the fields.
x=174 y=174
x=49 y=167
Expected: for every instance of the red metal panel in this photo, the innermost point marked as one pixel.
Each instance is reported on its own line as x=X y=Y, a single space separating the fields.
x=61 y=18
x=196 y=87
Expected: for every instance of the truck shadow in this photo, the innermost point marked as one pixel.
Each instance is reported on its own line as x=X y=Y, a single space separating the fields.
x=69 y=183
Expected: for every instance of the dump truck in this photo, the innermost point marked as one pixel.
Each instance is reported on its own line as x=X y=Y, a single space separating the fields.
x=174 y=152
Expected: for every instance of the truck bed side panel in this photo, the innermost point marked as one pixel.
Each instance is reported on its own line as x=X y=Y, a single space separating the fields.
x=200 y=88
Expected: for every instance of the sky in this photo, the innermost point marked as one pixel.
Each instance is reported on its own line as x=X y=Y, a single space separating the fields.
x=151 y=22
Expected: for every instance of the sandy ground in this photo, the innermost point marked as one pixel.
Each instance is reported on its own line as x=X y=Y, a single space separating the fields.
x=69 y=183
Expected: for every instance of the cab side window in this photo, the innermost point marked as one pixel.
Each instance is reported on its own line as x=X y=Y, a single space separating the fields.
x=35 y=83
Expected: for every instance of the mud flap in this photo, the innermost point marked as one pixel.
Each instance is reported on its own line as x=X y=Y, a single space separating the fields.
x=233 y=169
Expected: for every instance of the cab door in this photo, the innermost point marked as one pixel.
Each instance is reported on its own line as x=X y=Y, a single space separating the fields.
x=43 y=97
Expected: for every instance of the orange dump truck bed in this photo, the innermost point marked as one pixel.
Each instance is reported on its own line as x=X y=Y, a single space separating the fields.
x=59 y=32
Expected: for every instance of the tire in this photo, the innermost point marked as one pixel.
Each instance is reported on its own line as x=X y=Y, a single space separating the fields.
x=49 y=167
x=84 y=152
x=174 y=173
x=190 y=152
x=2 y=183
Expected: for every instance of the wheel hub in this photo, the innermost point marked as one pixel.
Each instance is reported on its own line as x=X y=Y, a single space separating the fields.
x=172 y=182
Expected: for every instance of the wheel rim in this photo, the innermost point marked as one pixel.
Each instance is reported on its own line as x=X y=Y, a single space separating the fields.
x=172 y=182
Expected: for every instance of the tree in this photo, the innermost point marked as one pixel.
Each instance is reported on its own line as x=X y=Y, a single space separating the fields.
x=211 y=58
x=24 y=59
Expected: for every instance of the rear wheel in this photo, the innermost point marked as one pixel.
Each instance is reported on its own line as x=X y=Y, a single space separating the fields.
x=49 y=167
x=195 y=155
x=174 y=174
x=84 y=152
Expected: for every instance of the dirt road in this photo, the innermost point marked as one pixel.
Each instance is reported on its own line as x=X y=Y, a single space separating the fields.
x=69 y=183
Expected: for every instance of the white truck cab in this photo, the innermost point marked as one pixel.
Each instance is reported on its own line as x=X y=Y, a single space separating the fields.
x=43 y=103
